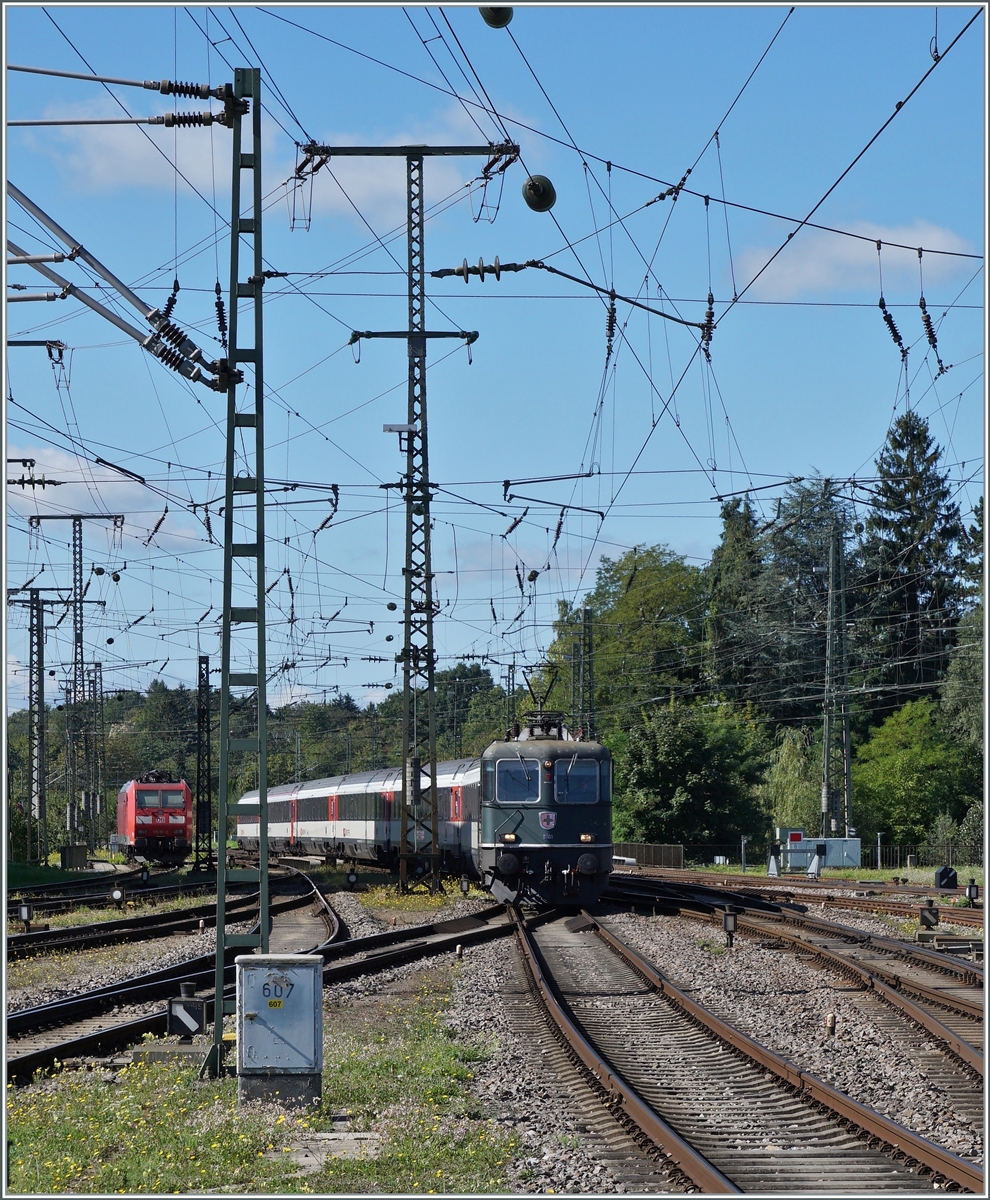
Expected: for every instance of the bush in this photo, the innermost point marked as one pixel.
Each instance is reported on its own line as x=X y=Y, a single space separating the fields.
x=691 y=775
x=909 y=772
x=971 y=835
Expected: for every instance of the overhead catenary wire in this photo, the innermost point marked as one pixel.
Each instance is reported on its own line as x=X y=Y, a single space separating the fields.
x=609 y=280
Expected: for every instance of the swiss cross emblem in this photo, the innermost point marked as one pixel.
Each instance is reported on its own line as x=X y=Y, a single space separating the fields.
x=548 y=820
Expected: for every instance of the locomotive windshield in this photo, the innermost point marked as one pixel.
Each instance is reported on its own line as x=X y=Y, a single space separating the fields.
x=153 y=798
x=576 y=780
x=517 y=780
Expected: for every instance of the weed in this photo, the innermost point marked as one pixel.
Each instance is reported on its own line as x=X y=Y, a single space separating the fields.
x=154 y=1128
x=388 y=896
x=708 y=944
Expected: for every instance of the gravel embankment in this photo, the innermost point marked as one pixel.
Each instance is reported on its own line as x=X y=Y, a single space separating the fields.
x=888 y=926
x=782 y=1003
x=516 y=1090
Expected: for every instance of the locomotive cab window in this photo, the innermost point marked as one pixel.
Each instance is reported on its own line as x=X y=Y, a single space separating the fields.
x=173 y=800
x=147 y=798
x=517 y=780
x=576 y=780
x=606 y=766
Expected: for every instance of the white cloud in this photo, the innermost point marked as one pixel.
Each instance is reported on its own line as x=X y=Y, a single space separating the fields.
x=88 y=487
x=817 y=261
x=106 y=158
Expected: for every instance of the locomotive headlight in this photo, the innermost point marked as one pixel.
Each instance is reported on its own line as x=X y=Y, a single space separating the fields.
x=587 y=837
x=510 y=837
x=548 y=764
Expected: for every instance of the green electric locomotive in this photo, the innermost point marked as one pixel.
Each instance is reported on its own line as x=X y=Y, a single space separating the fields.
x=546 y=815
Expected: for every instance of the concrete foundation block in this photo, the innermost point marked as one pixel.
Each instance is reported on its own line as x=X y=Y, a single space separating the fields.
x=288 y=1090
x=189 y=1054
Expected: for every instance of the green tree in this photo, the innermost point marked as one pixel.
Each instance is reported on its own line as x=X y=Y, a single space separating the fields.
x=912 y=561
x=457 y=688
x=910 y=771
x=972 y=552
x=962 y=691
x=691 y=774
x=943 y=830
x=736 y=652
x=971 y=835
x=485 y=720
x=648 y=616
x=792 y=791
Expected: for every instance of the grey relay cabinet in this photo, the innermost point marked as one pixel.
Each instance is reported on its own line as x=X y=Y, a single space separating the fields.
x=280 y=1027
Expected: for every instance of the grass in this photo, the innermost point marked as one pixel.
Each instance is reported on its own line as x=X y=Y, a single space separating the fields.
x=389 y=1062
x=388 y=896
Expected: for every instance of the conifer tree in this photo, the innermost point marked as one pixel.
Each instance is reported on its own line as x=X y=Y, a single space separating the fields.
x=911 y=554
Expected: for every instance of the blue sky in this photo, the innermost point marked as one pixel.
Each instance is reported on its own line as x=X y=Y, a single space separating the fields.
x=804 y=376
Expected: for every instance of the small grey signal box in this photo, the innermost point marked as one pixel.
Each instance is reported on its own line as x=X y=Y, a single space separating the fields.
x=280 y=1027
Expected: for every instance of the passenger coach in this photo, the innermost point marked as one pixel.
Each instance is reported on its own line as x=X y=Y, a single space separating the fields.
x=531 y=819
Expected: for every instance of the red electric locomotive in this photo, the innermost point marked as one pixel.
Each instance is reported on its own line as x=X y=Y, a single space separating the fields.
x=155 y=818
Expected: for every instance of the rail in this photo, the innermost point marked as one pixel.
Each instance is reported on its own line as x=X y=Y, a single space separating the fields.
x=619 y=1095
x=933 y=1158
x=366 y=956
x=126 y=929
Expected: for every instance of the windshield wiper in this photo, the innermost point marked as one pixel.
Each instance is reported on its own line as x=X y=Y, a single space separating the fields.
x=523 y=765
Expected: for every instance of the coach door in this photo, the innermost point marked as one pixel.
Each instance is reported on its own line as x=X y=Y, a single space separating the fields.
x=293 y=816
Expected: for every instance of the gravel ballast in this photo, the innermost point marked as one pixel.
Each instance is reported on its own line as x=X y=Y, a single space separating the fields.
x=782 y=1003
x=511 y=1085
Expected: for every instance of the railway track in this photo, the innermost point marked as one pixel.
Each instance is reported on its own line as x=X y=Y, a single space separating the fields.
x=106 y=1019
x=888 y=899
x=719 y=1112
x=110 y=1017
x=935 y=991
x=799 y=885
x=68 y=886
x=133 y=890
x=127 y=929
x=970 y=917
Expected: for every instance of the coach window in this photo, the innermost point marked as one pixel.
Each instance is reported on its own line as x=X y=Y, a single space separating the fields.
x=576 y=780
x=517 y=780
x=173 y=799
x=147 y=798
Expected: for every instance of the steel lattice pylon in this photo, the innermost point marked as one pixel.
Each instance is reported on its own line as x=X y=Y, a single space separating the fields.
x=418 y=831
x=36 y=726
x=202 y=840
x=418 y=818
x=79 y=709
x=242 y=656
